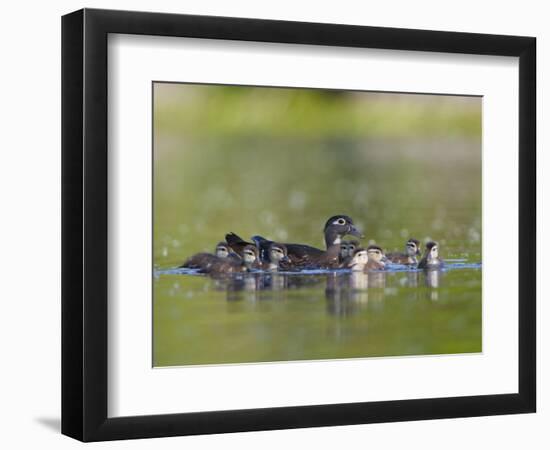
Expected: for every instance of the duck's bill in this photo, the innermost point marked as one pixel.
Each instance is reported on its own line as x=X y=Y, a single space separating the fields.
x=355 y=232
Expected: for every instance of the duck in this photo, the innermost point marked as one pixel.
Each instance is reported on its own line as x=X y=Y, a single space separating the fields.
x=223 y=266
x=364 y=260
x=412 y=250
x=431 y=259
x=201 y=259
x=347 y=248
x=303 y=256
x=278 y=258
x=344 y=251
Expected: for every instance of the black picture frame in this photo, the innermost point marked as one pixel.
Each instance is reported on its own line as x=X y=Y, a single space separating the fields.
x=84 y=224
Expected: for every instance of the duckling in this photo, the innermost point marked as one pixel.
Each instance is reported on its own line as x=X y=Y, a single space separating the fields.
x=377 y=257
x=431 y=259
x=412 y=250
x=347 y=248
x=352 y=245
x=344 y=251
x=222 y=266
x=366 y=260
x=202 y=259
x=278 y=258
x=305 y=256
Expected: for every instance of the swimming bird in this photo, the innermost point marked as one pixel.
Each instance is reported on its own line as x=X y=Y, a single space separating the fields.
x=202 y=259
x=222 y=266
x=305 y=256
x=431 y=259
x=347 y=249
x=364 y=260
x=344 y=251
x=278 y=258
x=412 y=250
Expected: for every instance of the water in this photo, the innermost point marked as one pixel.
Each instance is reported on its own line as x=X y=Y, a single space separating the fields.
x=259 y=317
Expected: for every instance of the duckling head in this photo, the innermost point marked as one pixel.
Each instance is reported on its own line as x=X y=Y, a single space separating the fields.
x=432 y=250
x=352 y=245
x=344 y=249
x=359 y=260
x=278 y=253
x=222 y=250
x=376 y=253
x=250 y=254
x=412 y=247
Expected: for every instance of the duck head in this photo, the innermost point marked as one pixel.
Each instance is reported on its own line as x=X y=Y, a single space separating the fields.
x=344 y=250
x=352 y=245
x=337 y=227
x=376 y=254
x=222 y=250
x=359 y=259
x=412 y=247
x=250 y=254
x=432 y=251
x=278 y=253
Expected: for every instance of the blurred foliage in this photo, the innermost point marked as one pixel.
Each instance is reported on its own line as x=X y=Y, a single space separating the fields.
x=239 y=112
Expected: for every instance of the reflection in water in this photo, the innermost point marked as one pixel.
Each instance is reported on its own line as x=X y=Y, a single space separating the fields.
x=432 y=280
x=346 y=292
x=315 y=315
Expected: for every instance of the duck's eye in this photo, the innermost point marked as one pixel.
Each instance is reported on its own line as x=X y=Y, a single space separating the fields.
x=341 y=221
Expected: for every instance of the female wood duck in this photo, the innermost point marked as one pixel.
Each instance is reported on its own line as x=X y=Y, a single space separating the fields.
x=431 y=259
x=304 y=256
x=412 y=250
x=366 y=260
x=201 y=259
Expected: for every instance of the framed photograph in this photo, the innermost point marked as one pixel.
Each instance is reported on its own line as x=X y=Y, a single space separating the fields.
x=272 y=224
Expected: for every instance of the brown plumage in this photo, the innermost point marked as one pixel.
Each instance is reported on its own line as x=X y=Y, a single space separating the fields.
x=366 y=260
x=431 y=259
x=202 y=259
x=412 y=250
x=303 y=256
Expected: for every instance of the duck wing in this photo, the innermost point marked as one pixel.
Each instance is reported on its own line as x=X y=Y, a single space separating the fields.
x=236 y=243
x=302 y=255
